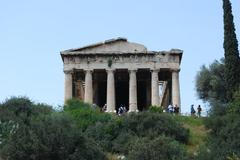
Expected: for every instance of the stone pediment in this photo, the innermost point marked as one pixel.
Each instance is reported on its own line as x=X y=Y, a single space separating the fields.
x=118 y=45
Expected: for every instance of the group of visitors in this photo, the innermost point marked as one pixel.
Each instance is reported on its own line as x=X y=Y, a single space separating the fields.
x=173 y=109
x=104 y=108
x=199 y=110
x=121 y=109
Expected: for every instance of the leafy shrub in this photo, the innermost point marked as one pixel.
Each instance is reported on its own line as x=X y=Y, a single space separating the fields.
x=117 y=135
x=160 y=148
x=105 y=133
x=156 y=109
x=17 y=111
x=223 y=139
x=152 y=124
x=84 y=114
x=50 y=137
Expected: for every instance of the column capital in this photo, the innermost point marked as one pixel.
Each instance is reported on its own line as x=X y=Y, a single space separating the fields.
x=132 y=70
x=110 y=70
x=155 y=70
x=175 y=69
x=68 y=71
x=88 y=70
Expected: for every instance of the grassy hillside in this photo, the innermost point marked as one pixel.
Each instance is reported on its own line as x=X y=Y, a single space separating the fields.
x=198 y=133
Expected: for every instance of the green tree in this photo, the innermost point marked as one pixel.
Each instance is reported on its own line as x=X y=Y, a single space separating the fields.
x=50 y=137
x=224 y=129
x=30 y=131
x=17 y=111
x=118 y=134
x=211 y=84
x=232 y=60
x=159 y=148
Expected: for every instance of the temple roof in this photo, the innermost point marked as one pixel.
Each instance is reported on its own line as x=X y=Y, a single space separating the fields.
x=118 y=45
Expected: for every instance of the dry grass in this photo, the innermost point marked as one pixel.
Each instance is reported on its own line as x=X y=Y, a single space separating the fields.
x=198 y=132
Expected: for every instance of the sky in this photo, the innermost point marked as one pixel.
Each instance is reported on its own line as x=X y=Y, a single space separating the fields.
x=32 y=34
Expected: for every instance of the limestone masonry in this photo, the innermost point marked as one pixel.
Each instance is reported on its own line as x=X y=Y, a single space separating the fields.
x=117 y=72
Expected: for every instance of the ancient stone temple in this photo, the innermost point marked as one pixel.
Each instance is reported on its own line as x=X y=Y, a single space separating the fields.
x=117 y=72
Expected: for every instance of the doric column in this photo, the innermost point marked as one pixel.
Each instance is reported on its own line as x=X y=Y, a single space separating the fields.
x=88 y=96
x=110 y=91
x=176 y=88
x=132 y=91
x=68 y=85
x=155 y=88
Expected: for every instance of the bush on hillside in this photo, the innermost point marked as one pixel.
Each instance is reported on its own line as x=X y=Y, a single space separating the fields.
x=156 y=109
x=17 y=111
x=158 y=149
x=118 y=134
x=50 y=137
x=153 y=124
x=223 y=140
x=30 y=131
x=21 y=108
x=85 y=114
x=105 y=133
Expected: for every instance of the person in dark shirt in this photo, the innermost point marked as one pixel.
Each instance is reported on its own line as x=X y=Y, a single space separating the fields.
x=199 y=110
x=176 y=109
x=192 y=110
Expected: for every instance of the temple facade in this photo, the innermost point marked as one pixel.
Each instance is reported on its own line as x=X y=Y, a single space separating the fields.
x=117 y=72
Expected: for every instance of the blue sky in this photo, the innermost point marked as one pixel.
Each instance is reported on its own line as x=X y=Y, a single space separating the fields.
x=32 y=33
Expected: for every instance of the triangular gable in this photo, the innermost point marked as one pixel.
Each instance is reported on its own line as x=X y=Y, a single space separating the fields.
x=119 y=45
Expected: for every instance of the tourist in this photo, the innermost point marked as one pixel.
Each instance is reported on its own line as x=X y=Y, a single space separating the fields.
x=94 y=106
x=176 y=109
x=121 y=110
x=124 y=109
x=170 y=108
x=192 y=110
x=199 y=110
x=104 y=108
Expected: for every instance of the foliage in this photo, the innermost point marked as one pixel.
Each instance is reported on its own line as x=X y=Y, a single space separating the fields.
x=104 y=134
x=234 y=107
x=156 y=109
x=159 y=148
x=223 y=140
x=232 y=60
x=117 y=136
x=152 y=124
x=84 y=114
x=233 y=157
x=17 y=111
x=35 y=131
x=198 y=132
x=81 y=131
x=50 y=137
x=210 y=83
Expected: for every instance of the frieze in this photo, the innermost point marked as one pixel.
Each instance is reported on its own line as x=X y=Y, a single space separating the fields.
x=120 y=59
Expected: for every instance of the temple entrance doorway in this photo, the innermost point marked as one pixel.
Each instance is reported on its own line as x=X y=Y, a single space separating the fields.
x=122 y=88
x=100 y=87
x=142 y=95
x=143 y=89
x=122 y=94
